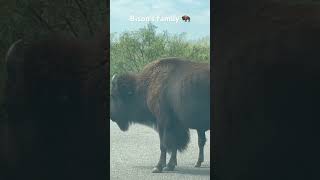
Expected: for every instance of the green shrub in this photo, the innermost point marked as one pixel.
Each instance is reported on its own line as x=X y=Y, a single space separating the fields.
x=130 y=51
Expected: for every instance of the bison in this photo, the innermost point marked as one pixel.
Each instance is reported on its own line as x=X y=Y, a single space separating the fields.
x=171 y=95
x=56 y=100
x=266 y=97
x=186 y=18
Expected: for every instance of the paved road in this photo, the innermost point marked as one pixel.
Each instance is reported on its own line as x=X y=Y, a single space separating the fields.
x=134 y=153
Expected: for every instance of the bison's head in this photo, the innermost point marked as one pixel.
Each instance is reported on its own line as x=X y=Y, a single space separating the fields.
x=126 y=102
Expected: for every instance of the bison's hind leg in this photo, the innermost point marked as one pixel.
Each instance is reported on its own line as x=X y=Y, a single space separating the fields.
x=201 y=143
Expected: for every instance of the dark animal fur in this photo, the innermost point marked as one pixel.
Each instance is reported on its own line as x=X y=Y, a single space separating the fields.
x=57 y=104
x=185 y=18
x=163 y=95
x=266 y=95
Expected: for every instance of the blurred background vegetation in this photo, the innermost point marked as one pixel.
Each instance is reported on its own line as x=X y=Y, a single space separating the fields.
x=132 y=50
x=33 y=19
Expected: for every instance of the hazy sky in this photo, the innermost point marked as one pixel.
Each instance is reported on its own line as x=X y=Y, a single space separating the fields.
x=198 y=10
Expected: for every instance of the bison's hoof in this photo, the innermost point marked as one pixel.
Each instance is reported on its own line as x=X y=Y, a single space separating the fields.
x=169 y=168
x=198 y=164
x=156 y=170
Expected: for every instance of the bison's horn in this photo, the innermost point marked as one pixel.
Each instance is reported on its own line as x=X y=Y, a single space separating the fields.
x=15 y=52
x=113 y=79
x=15 y=58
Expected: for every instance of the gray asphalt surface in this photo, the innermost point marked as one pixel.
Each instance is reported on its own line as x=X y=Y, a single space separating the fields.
x=134 y=153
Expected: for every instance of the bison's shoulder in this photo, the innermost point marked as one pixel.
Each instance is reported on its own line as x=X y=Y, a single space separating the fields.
x=159 y=71
x=167 y=65
x=161 y=75
x=164 y=63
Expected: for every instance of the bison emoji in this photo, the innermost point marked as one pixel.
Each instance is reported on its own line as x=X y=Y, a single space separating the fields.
x=186 y=18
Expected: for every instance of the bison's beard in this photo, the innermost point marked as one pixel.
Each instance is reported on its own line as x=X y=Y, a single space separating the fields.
x=123 y=126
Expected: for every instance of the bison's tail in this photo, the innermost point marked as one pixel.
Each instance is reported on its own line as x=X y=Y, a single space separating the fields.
x=176 y=137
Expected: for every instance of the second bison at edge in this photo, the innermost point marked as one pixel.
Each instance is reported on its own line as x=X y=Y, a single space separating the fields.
x=172 y=96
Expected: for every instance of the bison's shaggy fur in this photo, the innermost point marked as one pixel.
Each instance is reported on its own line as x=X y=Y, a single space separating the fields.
x=266 y=95
x=57 y=103
x=171 y=95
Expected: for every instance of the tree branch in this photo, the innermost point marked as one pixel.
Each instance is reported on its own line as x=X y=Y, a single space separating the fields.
x=85 y=16
x=41 y=20
x=70 y=26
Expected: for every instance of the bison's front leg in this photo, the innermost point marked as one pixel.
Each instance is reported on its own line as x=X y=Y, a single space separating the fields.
x=201 y=143
x=172 y=162
x=162 y=161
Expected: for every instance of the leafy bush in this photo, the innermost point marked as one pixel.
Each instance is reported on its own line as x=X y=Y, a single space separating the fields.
x=130 y=51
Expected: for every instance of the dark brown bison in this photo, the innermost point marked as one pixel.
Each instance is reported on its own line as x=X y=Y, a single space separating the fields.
x=171 y=95
x=56 y=103
x=266 y=95
x=185 y=18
